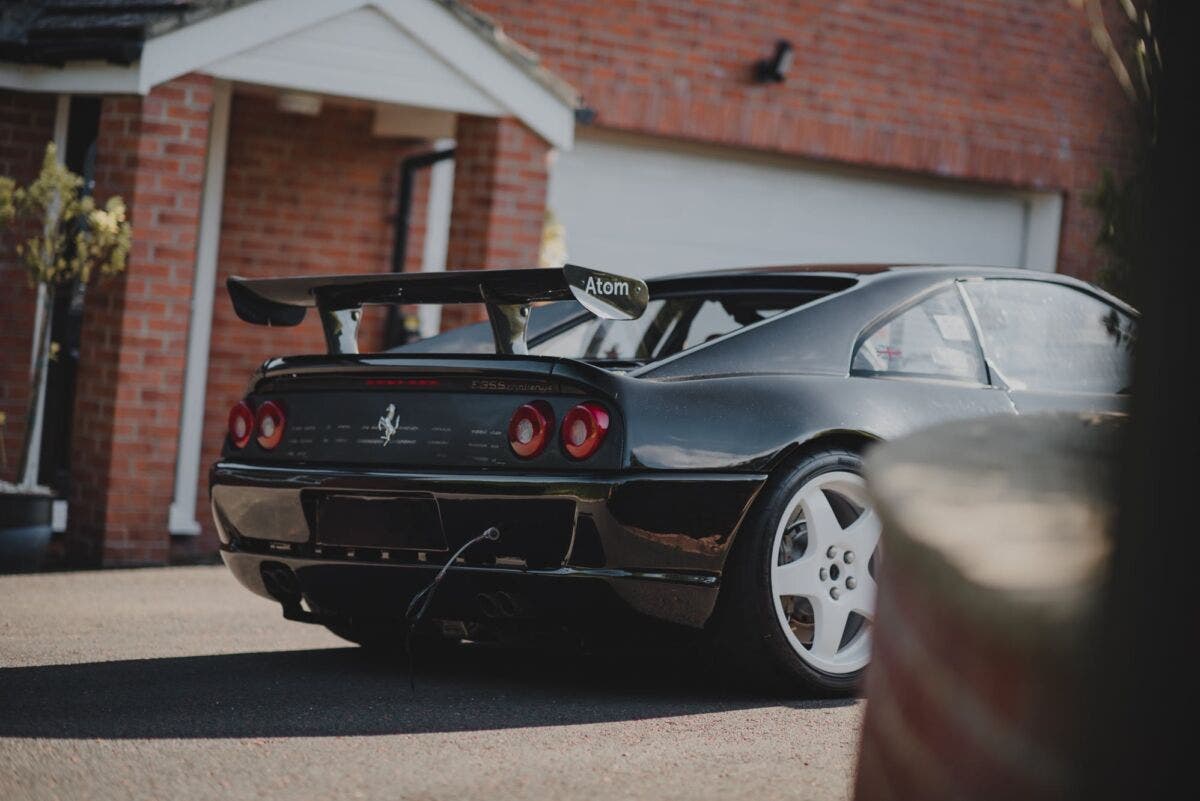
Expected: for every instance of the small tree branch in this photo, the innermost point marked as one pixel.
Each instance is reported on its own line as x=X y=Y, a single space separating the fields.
x=1104 y=41
x=75 y=240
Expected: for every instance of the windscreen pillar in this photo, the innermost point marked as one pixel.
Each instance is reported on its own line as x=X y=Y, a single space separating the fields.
x=151 y=150
x=501 y=170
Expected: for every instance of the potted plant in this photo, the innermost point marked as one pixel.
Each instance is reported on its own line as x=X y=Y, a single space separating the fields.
x=62 y=236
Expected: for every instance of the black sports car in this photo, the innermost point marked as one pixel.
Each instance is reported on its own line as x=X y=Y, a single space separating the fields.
x=686 y=451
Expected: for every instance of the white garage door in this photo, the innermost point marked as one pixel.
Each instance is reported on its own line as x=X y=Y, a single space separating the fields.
x=650 y=207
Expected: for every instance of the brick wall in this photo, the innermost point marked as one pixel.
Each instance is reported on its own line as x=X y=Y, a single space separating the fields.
x=1008 y=92
x=499 y=194
x=26 y=125
x=151 y=150
x=303 y=195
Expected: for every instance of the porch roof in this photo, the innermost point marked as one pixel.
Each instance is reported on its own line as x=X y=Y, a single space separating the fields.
x=464 y=60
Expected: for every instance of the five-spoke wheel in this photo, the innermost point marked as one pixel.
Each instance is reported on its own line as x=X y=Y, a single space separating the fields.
x=797 y=595
x=822 y=581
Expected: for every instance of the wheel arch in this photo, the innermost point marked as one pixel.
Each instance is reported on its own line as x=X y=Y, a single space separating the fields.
x=854 y=440
x=851 y=439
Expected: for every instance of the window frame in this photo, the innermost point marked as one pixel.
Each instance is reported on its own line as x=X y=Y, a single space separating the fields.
x=996 y=375
x=808 y=295
x=895 y=312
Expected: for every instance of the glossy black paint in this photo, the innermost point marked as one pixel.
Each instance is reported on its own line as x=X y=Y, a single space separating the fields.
x=506 y=294
x=649 y=522
x=589 y=526
x=437 y=427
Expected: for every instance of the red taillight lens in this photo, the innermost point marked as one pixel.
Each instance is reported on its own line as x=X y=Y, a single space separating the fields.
x=270 y=422
x=241 y=424
x=530 y=427
x=584 y=429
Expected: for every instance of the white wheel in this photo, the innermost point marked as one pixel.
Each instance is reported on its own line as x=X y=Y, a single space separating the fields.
x=822 y=578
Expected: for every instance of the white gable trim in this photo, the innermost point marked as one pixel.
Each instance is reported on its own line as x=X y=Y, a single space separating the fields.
x=205 y=44
x=363 y=53
x=193 y=47
x=525 y=98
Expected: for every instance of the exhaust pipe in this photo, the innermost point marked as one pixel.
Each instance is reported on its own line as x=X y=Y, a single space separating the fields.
x=283 y=585
x=500 y=604
x=508 y=603
x=280 y=582
x=488 y=605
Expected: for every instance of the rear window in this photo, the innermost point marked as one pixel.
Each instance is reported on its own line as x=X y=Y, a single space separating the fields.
x=676 y=319
x=669 y=326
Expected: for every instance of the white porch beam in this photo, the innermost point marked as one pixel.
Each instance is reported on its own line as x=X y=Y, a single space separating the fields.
x=80 y=78
x=182 y=517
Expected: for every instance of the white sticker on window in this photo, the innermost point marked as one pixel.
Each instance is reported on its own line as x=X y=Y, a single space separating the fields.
x=953 y=327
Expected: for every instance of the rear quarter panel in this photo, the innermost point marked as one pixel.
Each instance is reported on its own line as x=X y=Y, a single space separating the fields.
x=748 y=423
x=745 y=400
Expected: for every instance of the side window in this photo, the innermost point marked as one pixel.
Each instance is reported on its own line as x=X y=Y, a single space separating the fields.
x=931 y=339
x=1054 y=338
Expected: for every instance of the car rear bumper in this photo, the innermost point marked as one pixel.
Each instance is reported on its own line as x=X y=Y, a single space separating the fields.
x=572 y=545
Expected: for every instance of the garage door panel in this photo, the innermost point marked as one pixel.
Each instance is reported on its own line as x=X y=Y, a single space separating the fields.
x=651 y=209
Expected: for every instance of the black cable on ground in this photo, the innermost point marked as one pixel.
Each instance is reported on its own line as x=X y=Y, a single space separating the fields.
x=421 y=601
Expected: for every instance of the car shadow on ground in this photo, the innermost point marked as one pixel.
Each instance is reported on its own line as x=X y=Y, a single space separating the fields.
x=342 y=692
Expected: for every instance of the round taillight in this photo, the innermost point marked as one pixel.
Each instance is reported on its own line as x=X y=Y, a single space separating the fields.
x=584 y=429
x=270 y=423
x=530 y=427
x=241 y=424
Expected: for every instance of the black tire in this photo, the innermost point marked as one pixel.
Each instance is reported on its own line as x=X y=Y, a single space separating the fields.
x=745 y=628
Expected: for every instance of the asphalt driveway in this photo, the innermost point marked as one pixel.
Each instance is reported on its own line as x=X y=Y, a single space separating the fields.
x=176 y=683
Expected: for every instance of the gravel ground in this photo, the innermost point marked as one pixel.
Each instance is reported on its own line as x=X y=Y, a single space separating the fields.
x=176 y=683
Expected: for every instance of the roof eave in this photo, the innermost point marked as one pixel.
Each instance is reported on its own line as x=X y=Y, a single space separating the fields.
x=188 y=42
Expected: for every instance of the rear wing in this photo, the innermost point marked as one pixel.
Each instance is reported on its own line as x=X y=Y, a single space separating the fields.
x=506 y=293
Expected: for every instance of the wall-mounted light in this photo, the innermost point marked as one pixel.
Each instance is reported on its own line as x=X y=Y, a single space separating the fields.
x=299 y=103
x=775 y=68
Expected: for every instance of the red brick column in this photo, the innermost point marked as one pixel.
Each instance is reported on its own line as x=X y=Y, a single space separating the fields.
x=26 y=125
x=500 y=177
x=151 y=150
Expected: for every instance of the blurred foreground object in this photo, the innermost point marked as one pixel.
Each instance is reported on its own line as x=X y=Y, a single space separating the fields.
x=996 y=543
x=1123 y=719
x=1135 y=59
x=1140 y=681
